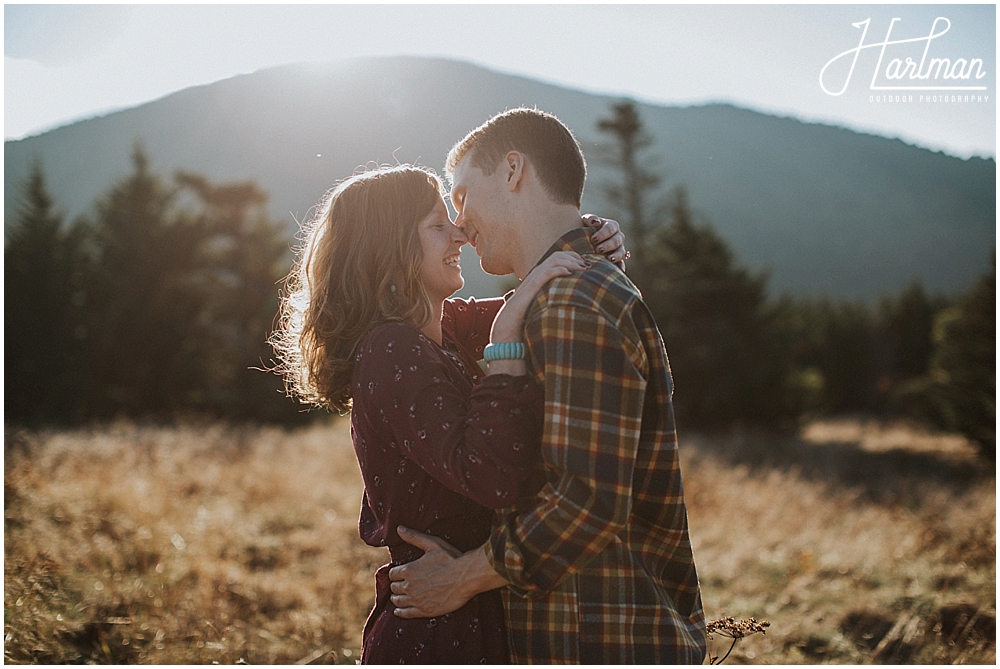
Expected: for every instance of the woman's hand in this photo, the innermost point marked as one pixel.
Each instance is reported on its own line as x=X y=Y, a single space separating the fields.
x=608 y=239
x=509 y=323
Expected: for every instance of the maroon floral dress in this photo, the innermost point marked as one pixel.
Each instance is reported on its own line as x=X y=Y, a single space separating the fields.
x=440 y=444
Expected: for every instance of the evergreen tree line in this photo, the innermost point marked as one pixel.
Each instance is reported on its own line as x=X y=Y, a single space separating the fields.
x=159 y=304
x=740 y=358
x=155 y=306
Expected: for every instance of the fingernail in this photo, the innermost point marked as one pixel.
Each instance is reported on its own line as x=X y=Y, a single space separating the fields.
x=600 y=249
x=402 y=530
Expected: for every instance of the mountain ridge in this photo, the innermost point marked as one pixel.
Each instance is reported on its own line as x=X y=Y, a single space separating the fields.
x=825 y=209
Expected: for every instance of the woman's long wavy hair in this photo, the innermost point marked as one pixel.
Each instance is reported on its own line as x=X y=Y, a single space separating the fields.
x=359 y=267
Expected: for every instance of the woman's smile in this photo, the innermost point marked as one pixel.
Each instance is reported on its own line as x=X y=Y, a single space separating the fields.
x=439 y=237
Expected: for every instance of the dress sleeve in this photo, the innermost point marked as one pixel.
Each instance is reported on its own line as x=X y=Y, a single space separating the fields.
x=594 y=392
x=470 y=322
x=481 y=446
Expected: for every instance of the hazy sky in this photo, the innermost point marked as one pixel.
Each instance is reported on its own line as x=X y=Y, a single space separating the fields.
x=65 y=62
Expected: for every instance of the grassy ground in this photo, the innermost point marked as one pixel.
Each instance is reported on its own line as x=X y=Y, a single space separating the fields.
x=858 y=541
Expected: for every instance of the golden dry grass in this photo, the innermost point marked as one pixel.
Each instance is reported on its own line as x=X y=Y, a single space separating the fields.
x=859 y=542
x=856 y=540
x=186 y=545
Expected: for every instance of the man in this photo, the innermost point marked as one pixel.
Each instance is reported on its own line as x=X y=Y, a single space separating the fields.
x=598 y=562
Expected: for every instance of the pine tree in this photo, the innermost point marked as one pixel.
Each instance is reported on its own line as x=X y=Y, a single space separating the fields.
x=42 y=300
x=906 y=322
x=959 y=392
x=146 y=354
x=729 y=362
x=834 y=349
x=150 y=309
x=246 y=254
x=635 y=195
x=965 y=361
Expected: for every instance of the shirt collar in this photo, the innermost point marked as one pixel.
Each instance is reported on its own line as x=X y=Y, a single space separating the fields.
x=577 y=239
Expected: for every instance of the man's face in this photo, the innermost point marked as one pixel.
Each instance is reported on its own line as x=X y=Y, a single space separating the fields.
x=479 y=200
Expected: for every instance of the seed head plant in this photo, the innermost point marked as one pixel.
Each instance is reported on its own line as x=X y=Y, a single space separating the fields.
x=733 y=629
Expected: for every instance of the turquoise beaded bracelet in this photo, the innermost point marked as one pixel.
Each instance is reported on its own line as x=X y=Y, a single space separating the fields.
x=508 y=350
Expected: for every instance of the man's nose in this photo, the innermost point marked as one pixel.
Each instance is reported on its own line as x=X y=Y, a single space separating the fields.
x=462 y=224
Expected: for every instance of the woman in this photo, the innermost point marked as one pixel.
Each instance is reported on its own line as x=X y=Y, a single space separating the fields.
x=368 y=327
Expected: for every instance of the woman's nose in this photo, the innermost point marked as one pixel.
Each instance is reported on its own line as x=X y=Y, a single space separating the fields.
x=458 y=235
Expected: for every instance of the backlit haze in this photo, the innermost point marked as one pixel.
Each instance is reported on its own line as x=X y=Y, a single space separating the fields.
x=67 y=62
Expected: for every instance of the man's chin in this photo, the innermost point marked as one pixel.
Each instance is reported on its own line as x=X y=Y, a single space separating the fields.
x=492 y=265
x=493 y=269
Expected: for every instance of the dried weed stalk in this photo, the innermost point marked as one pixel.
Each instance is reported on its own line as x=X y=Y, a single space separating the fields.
x=734 y=629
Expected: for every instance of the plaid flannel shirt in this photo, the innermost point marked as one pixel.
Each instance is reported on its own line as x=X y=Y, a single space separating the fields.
x=599 y=560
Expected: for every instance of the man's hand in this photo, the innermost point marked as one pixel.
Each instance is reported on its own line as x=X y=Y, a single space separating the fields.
x=441 y=581
x=426 y=587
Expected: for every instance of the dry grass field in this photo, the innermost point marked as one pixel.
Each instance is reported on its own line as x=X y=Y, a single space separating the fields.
x=860 y=542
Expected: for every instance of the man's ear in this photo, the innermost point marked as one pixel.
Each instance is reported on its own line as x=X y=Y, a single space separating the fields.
x=514 y=170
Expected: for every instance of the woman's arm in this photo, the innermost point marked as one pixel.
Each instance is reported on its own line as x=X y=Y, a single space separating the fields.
x=509 y=323
x=481 y=445
x=468 y=322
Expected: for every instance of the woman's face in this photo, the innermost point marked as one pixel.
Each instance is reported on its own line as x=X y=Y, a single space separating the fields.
x=441 y=241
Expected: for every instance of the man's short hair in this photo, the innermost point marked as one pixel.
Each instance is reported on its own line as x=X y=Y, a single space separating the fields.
x=544 y=139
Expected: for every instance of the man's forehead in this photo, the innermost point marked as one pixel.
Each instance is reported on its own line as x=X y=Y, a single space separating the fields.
x=462 y=171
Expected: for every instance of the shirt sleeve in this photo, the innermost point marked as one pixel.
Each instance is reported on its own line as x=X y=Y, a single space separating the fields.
x=594 y=390
x=470 y=322
x=482 y=446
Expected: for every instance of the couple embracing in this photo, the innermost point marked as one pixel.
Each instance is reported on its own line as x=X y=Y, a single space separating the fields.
x=532 y=506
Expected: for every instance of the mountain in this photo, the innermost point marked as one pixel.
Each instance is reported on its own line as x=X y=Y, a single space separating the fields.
x=824 y=209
